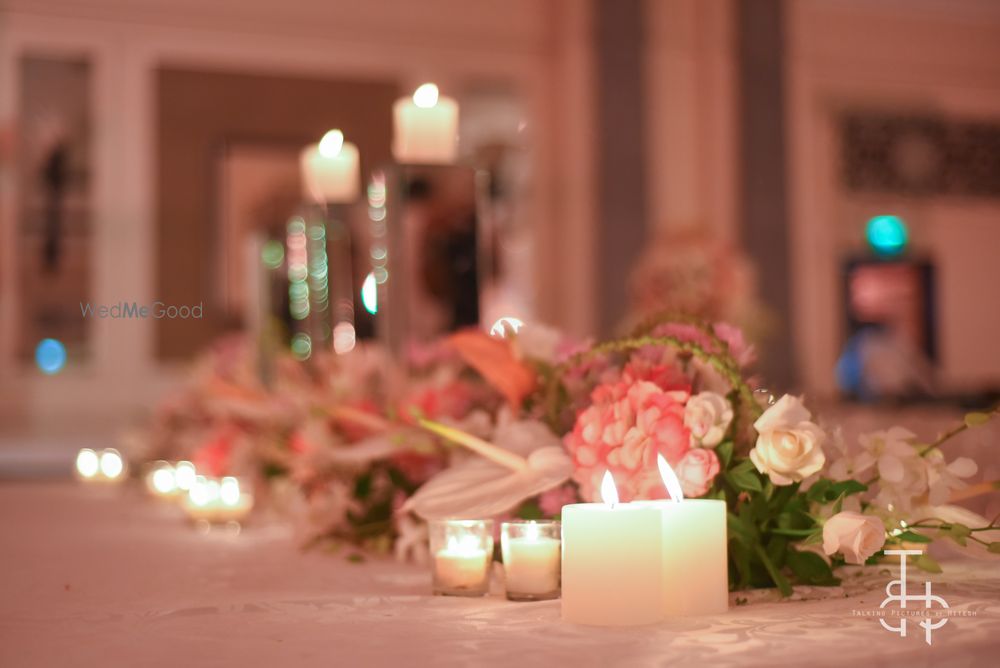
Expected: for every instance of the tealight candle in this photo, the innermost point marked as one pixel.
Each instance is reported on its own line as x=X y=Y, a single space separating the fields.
x=531 y=556
x=330 y=170
x=104 y=466
x=695 y=571
x=612 y=562
x=184 y=475
x=161 y=480
x=425 y=128
x=217 y=501
x=463 y=554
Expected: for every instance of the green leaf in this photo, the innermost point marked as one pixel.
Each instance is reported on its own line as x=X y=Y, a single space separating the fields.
x=530 y=510
x=845 y=488
x=356 y=558
x=977 y=419
x=926 y=562
x=724 y=451
x=958 y=533
x=810 y=568
x=913 y=537
x=994 y=547
x=744 y=477
x=779 y=580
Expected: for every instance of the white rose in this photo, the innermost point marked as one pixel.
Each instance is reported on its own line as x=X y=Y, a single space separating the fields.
x=789 y=446
x=707 y=415
x=854 y=535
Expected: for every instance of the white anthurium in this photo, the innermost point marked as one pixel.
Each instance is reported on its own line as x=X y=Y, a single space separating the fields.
x=481 y=488
x=525 y=460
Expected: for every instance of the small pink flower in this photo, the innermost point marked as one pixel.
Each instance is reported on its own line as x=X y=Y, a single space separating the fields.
x=697 y=471
x=551 y=502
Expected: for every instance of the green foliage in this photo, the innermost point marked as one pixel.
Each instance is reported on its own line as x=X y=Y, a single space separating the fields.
x=530 y=510
x=994 y=547
x=913 y=537
x=810 y=568
x=926 y=562
x=957 y=532
x=744 y=477
x=977 y=419
x=724 y=451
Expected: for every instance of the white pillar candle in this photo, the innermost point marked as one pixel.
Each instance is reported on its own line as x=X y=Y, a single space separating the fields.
x=695 y=571
x=612 y=566
x=462 y=564
x=331 y=170
x=425 y=128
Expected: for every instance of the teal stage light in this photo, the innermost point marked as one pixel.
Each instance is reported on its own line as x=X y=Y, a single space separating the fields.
x=887 y=235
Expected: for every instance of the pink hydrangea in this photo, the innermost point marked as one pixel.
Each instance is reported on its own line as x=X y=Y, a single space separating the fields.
x=626 y=426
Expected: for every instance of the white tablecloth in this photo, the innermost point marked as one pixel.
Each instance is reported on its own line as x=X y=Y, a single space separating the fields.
x=109 y=577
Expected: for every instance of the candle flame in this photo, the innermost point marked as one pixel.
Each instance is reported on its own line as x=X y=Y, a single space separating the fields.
x=112 y=464
x=87 y=463
x=670 y=480
x=426 y=96
x=331 y=143
x=531 y=532
x=609 y=493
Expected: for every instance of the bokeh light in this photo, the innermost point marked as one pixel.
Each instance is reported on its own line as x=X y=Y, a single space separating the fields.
x=887 y=235
x=50 y=356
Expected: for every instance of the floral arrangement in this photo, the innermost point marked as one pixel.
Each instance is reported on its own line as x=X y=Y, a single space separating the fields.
x=520 y=426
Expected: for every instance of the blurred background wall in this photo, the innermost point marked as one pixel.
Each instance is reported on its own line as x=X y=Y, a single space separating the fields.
x=638 y=120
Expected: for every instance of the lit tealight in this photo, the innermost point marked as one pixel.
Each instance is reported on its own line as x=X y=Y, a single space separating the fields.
x=203 y=491
x=184 y=475
x=112 y=464
x=87 y=463
x=163 y=480
x=229 y=491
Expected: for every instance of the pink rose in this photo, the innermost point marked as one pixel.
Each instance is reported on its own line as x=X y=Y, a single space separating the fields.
x=697 y=471
x=854 y=535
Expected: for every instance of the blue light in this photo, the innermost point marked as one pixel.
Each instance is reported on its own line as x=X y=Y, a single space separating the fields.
x=50 y=356
x=886 y=235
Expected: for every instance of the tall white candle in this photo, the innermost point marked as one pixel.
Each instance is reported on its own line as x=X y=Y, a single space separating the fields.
x=425 y=128
x=695 y=572
x=330 y=170
x=612 y=566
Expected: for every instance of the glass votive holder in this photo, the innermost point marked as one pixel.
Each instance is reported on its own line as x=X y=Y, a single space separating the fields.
x=532 y=559
x=463 y=556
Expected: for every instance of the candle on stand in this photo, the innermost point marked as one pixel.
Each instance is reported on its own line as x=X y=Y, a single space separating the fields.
x=425 y=128
x=612 y=562
x=695 y=571
x=463 y=554
x=330 y=170
x=531 y=556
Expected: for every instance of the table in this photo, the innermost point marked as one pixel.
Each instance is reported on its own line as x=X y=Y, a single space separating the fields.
x=108 y=576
